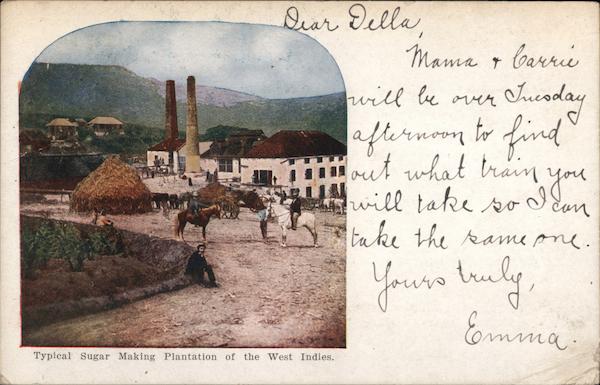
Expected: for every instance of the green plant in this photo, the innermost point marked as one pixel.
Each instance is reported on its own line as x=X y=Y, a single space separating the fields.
x=60 y=240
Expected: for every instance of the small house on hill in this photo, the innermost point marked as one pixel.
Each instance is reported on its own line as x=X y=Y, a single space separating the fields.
x=311 y=163
x=104 y=125
x=62 y=129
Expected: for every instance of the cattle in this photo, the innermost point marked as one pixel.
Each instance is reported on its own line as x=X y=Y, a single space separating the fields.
x=173 y=201
x=184 y=199
x=160 y=199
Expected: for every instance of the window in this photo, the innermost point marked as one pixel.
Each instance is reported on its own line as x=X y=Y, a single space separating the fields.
x=333 y=171
x=331 y=158
x=225 y=165
x=309 y=192
x=307 y=160
x=308 y=173
x=342 y=171
x=319 y=159
x=322 y=172
x=343 y=189
x=292 y=175
x=291 y=162
x=334 y=190
x=181 y=163
x=262 y=177
x=321 y=191
x=341 y=158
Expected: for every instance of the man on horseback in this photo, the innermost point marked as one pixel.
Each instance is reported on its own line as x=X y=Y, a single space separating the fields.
x=295 y=209
x=195 y=205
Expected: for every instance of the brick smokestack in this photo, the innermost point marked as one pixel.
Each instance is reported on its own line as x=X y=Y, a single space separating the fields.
x=192 y=158
x=172 y=131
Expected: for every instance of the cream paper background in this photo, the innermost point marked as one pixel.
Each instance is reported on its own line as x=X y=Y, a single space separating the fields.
x=420 y=338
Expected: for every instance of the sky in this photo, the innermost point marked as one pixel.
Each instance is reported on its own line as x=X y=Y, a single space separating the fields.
x=268 y=61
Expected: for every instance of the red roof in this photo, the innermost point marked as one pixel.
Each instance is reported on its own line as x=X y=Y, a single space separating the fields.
x=168 y=144
x=290 y=144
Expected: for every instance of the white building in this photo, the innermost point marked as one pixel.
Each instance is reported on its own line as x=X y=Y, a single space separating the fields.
x=159 y=153
x=309 y=162
x=226 y=155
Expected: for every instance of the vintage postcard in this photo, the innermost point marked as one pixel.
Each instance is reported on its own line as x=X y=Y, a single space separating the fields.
x=109 y=182
x=300 y=192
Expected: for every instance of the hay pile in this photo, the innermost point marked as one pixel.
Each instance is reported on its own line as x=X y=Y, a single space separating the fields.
x=113 y=187
x=212 y=192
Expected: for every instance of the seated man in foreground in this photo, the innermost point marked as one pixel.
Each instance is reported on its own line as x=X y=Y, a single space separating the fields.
x=197 y=266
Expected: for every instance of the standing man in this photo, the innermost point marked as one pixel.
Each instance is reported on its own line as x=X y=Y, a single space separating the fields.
x=261 y=213
x=197 y=266
x=295 y=209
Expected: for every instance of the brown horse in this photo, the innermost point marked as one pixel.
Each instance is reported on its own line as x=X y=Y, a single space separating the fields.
x=201 y=219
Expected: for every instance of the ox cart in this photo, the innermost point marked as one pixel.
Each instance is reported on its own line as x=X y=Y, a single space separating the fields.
x=229 y=208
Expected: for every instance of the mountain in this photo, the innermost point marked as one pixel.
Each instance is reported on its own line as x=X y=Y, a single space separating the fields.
x=221 y=132
x=85 y=91
x=213 y=96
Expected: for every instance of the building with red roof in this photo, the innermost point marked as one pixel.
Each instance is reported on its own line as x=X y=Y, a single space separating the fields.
x=311 y=163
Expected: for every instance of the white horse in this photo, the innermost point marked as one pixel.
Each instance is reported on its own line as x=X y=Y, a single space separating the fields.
x=284 y=219
x=338 y=205
x=326 y=203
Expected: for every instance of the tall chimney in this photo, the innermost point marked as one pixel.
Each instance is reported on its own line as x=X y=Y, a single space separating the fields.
x=192 y=158
x=172 y=131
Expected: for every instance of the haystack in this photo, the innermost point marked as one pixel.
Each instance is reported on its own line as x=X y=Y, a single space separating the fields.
x=212 y=192
x=115 y=188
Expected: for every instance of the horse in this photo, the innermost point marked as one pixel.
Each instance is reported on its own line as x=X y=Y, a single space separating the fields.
x=284 y=219
x=201 y=219
x=338 y=205
x=326 y=203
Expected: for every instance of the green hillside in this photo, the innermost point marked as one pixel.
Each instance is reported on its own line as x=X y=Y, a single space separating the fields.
x=85 y=91
x=73 y=90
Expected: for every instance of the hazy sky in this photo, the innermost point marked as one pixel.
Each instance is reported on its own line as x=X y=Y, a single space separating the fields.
x=268 y=61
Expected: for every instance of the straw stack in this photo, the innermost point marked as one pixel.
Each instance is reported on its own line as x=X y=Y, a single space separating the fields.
x=114 y=188
x=212 y=193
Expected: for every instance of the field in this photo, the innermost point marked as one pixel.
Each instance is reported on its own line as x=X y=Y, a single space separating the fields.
x=268 y=296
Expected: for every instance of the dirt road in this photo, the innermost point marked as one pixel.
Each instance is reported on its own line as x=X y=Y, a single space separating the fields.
x=268 y=296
